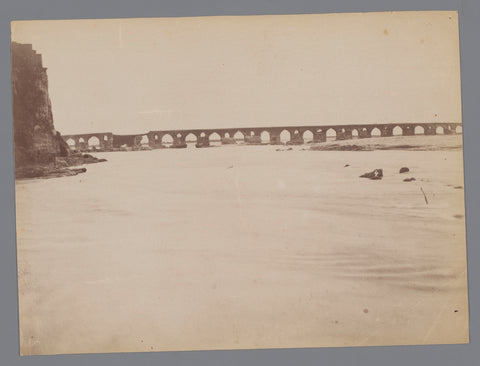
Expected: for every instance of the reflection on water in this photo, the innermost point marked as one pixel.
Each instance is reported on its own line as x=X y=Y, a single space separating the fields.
x=237 y=247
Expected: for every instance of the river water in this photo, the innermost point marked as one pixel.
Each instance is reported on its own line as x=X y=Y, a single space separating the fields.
x=243 y=247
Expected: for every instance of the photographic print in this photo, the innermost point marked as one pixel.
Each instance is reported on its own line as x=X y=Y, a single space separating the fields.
x=239 y=182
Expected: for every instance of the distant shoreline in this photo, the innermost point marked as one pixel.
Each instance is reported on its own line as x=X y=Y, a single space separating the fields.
x=408 y=143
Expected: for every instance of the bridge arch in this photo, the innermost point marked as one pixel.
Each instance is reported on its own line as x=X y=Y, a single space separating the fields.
x=397 y=131
x=440 y=130
x=81 y=140
x=307 y=136
x=375 y=132
x=355 y=133
x=167 y=140
x=214 y=136
x=265 y=137
x=285 y=136
x=145 y=140
x=419 y=130
x=331 y=133
x=239 y=136
x=93 y=141
x=214 y=139
x=70 y=142
x=191 y=139
x=458 y=129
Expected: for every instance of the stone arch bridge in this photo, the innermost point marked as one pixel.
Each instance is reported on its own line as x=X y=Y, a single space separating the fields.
x=254 y=135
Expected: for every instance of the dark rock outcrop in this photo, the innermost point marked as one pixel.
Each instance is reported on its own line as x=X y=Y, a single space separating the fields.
x=404 y=170
x=45 y=171
x=409 y=179
x=374 y=175
x=36 y=140
x=40 y=150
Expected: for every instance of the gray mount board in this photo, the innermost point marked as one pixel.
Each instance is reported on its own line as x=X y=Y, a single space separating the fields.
x=422 y=355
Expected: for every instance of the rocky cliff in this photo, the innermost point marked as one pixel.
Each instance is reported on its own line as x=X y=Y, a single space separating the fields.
x=36 y=140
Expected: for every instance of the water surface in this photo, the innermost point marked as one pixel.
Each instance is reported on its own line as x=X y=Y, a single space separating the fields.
x=243 y=247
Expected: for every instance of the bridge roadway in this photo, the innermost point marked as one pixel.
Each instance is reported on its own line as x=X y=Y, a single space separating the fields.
x=255 y=135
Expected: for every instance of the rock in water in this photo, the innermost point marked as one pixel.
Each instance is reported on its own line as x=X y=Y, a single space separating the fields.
x=404 y=170
x=409 y=179
x=374 y=175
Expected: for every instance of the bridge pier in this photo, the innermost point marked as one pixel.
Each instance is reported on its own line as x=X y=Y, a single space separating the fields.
x=82 y=145
x=347 y=134
x=343 y=133
x=296 y=138
x=430 y=130
x=76 y=142
x=108 y=145
x=363 y=133
x=408 y=130
x=319 y=136
x=387 y=131
x=154 y=140
x=253 y=139
x=203 y=141
x=227 y=140
x=179 y=142
x=448 y=130
x=137 y=142
x=106 y=141
x=275 y=138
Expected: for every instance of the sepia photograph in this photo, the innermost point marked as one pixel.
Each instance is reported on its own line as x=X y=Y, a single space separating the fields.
x=239 y=182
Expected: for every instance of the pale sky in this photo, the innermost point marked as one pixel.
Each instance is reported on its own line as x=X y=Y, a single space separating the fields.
x=137 y=75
